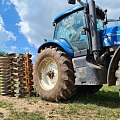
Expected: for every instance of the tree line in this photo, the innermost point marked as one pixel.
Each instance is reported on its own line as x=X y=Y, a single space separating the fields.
x=3 y=54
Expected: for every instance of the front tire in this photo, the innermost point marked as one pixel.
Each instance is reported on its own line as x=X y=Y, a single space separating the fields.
x=53 y=74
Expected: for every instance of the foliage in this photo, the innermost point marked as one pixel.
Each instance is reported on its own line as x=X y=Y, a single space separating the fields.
x=3 y=53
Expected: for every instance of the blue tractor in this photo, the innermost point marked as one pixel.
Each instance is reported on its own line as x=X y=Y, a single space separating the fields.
x=82 y=56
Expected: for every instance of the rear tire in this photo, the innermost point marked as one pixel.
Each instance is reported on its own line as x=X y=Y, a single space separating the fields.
x=117 y=75
x=53 y=74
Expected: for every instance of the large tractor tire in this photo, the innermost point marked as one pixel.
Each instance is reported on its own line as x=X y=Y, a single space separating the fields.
x=53 y=74
x=118 y=72
x=88 y=89
x=117 y=75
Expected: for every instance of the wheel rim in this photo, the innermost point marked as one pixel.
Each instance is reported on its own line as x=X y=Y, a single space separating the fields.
x=48 y=74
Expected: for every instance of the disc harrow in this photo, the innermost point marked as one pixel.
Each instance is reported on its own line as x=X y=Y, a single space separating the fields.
x=28 y=73
x=5 y=75
x=16 y=75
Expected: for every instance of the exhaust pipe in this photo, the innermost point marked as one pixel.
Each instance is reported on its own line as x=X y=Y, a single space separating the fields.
x=93 y=29
x=93 y=25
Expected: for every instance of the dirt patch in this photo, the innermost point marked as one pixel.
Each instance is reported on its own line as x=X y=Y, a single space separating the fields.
x=4 y=113
x=28 y=104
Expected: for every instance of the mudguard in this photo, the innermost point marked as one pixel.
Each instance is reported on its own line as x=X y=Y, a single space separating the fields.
x=62 y=43
x=113 y=66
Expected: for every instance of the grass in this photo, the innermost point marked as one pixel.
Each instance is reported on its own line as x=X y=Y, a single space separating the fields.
x=16 y=115
x=104 y=105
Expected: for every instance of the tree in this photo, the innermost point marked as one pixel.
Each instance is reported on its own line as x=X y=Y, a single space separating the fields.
x=3 y=53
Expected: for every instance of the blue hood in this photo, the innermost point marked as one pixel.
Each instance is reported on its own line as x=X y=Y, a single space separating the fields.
x=111 y=36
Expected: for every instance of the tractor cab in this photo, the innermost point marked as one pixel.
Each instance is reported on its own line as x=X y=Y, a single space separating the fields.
x=72 y=26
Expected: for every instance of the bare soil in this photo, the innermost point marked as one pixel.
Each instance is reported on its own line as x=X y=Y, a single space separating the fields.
x=30 y=104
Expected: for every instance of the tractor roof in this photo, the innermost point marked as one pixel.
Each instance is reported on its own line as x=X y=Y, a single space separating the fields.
x=71 y=10
x=99 y=11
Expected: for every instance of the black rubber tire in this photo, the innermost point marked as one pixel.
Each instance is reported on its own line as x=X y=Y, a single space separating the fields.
x=88 y=89
x=65 y=82
x=117 y=74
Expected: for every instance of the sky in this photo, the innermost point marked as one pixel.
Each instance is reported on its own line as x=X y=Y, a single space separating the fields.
x=24 y=24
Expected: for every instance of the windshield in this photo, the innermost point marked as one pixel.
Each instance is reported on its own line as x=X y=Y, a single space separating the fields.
x=70 y=29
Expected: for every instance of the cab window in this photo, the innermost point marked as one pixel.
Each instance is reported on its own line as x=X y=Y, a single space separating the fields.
x=70 y=29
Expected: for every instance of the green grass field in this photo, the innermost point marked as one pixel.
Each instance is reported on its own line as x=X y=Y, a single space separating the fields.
x=104 y=105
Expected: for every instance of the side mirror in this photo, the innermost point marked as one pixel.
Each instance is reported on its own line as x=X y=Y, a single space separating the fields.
x=71 y=1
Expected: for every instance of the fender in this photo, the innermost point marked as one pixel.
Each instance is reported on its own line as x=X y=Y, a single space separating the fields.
x=113 y=66
x=61 y=42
